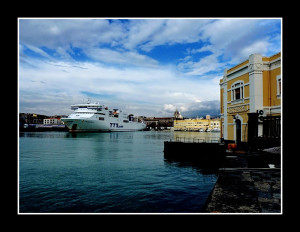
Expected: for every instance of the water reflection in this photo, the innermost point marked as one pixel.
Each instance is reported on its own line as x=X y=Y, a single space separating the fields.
x=203 y=167
x=48 y=134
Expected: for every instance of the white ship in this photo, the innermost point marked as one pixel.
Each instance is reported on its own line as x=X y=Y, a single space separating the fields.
x=95 y=117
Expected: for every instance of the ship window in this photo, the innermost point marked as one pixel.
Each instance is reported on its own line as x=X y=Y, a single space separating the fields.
x=101 y=118
x=125 y=121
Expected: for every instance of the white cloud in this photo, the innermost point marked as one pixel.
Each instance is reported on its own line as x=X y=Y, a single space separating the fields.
x=235 y=37
x=142 y=31
x=176 y=31
x=112 y=56
x=149 y=33
x=119 y=41
x=230 y=41
x=146 y=88
x=37 y=50
x=203 y=66
x=169 y=107
x=257 y=47
x=119 y=69
x=54 y=33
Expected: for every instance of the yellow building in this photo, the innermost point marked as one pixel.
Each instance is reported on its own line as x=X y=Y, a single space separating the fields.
x=197 y=124
x=250 y=87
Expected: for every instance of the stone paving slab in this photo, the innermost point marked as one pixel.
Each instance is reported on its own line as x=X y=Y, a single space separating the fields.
x=237 y=192
x=240 y=189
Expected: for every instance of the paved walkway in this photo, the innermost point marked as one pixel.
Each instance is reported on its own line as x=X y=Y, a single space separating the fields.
x=242 y=188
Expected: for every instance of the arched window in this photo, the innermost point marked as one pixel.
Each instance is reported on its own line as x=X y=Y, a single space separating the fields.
x=237 y=91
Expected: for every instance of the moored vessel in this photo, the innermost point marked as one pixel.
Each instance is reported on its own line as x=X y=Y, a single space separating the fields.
x=94 y=117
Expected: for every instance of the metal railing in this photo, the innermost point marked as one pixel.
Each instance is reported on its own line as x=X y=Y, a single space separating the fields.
x=195 y=140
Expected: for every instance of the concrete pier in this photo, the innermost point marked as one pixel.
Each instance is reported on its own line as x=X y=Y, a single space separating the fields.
x=243 y=188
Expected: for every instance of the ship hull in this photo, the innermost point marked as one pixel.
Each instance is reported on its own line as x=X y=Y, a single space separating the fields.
x=91 y=125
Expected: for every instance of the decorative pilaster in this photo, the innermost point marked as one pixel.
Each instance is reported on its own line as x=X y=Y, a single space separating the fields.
x=224 y=86
x=256 y=82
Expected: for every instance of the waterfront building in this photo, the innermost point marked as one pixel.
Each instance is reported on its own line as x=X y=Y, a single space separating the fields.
x=158 y=122
x=198 y=124
x=52 y=121
x=31 y=118
x=251 y=88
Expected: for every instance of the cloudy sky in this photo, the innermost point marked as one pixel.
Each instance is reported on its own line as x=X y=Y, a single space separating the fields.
x=145 y=66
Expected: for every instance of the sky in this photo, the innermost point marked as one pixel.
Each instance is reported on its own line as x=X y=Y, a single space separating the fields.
x=144 y=66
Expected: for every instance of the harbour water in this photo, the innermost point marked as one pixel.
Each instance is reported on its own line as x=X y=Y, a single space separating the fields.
x=118 y=172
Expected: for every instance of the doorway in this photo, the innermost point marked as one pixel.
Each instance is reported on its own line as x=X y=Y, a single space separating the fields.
x=238 y=132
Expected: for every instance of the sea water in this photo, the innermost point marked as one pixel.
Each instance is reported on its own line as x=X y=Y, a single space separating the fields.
x=118 y=172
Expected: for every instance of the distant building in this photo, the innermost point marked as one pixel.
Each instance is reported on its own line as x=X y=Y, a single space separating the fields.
x=197 y=124
x=52 y=121
x=250 y=98
x=159 y=122
x=31 y=118
x=177 y=115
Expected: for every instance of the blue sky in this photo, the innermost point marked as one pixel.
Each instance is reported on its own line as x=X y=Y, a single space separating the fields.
x=145 y=66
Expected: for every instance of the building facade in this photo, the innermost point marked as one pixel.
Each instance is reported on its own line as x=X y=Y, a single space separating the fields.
x=31 y=118
x=197 y=124
x=253 y=86
x=158 y=122
x=52 y=121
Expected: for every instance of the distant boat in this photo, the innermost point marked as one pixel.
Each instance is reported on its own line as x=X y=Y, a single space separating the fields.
x=201 y=130
x=96 y=117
